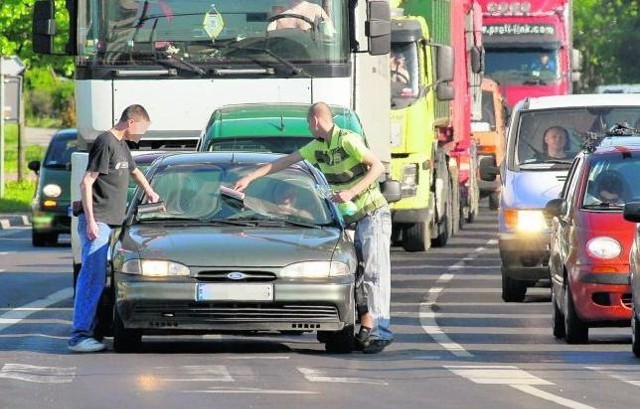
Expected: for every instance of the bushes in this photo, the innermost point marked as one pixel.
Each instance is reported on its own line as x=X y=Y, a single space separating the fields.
x=49 y=99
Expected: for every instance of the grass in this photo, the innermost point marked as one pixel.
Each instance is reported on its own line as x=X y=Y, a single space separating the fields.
x=17 y=194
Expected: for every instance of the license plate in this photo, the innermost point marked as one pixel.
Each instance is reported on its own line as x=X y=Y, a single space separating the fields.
x=234 y=292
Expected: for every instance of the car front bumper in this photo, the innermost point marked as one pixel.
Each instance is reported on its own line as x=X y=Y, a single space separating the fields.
x=525 y=257
x=161 y=306
x=602 y=298
x=51 y=221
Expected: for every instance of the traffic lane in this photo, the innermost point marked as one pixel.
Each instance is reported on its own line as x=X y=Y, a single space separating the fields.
x=30 y=273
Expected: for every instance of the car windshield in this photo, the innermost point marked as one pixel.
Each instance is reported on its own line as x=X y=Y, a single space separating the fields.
x=553 y=137
x=60 y=150
x=612 y=180
x=522 y=66
x=192 y=192
x=204 y=32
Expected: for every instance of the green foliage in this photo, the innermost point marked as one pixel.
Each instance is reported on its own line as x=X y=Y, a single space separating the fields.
x=17 y=196
x=33 y=152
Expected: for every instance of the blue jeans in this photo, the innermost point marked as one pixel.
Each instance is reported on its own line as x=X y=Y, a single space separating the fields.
x=373 y=246
x=91 y=280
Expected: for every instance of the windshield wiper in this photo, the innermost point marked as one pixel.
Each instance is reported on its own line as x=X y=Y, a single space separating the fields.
x=294 y=68
x=183 y=64
x=288 y=222
x=232 y=222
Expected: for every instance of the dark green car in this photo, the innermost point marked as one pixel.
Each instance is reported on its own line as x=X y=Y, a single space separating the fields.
x=277 y=128
x=50 y=216
x=276 y=259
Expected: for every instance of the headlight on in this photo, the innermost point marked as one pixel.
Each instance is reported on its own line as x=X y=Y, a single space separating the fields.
x=315 y=269
x=155 y=268
x=525 y=221
x=604 y=247
x=52 y=190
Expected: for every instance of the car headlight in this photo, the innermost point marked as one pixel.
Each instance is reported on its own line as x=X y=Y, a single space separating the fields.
x=315 y=269
x=604 y=247
x=52 y=190
x=526 y=221
x=156 y=268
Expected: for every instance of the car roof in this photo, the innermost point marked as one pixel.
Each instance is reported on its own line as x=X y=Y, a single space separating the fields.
x=579 y=101
x=68 y=133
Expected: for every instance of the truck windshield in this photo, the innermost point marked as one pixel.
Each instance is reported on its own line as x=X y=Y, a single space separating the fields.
x=404 y=73
x=125 y=32
x=522 y=66
x=553 y=137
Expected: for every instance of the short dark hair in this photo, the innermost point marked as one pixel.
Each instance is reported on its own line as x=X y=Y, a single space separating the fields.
x=556 y=128
x=135 y=112
x=611 y=182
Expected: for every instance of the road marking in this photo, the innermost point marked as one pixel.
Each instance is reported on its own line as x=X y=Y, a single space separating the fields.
x=32 y=335
x=315 y=375
x=2 y=270
x=516 y=378
x=611 y=371
x=256 y=391
x=496 y=330
x=201 y=373
x=38 y=309
x=13 y=321
x=457 y=267
x=15 y=316
x=462 y=277
x=38 y=374
x=453 y=315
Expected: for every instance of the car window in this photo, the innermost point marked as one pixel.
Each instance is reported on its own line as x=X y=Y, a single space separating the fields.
x=59 y=152
x=612 y=180
x=275 y=144
x=531 y=146
x=570 y=186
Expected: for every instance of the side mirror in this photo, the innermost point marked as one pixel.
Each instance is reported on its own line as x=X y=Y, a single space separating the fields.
x=444 y=92
x=391 y=190
x=43 y=27
x=34 y=165
x=477 y=63
x=632 y=212
x=378 y=27
x=488 y=169
x=445 y=62
x=554 y=208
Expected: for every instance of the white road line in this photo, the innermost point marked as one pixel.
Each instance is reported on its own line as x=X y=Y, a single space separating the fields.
x=433 y=266
x=32 y=335
x=254 y=357
x=452 y=315
x=13 y=321
x=37 y=374
x=2 y=270
x=38 y=309
x=568 y=403
x=16 y=316
x=254 y=391
x=497 y=330
x=612 y=372
x=201 y=373
x=422 y=276
x=315 y=375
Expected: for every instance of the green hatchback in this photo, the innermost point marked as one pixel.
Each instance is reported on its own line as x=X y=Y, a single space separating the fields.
x=261 y=127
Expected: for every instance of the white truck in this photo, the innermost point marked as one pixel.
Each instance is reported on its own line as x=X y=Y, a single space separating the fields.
x=181 y=59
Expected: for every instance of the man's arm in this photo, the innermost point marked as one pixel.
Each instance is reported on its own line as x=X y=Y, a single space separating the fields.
x=141 y=181
x=272 y=167
x=86 y=192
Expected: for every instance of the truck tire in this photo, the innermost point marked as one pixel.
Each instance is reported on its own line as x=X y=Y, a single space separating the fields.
x=512 y=290
x=575 y=330
x=441 y=227
x=494 y=200
x=416 y=237
x=444 y=228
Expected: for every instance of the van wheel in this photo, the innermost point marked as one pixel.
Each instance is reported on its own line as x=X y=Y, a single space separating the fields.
x=416 y=237
x=341 y=342
x=494 y=200
x=575 y=331
x=512 y=290
x=557 y=317
x=124 y=340
x=635 y=335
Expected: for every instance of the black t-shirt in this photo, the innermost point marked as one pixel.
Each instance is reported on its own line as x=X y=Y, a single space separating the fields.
x=112 y=159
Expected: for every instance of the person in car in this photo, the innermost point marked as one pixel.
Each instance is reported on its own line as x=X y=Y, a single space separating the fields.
x=555 y=140
x=609 y=189
x=311 y=11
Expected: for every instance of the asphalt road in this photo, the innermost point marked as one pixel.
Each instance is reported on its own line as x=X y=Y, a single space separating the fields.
x=457 y=346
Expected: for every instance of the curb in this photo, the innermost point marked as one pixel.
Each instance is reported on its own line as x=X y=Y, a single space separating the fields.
x=8 y=221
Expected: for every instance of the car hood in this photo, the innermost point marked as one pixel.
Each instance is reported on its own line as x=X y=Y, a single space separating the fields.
x=231 y=246
x=532 y=190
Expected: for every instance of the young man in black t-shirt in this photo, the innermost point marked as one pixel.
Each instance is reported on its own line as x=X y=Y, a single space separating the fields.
x=104 y=195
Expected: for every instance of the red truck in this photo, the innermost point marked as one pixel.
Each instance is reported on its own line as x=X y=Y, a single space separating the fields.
x=529 y=47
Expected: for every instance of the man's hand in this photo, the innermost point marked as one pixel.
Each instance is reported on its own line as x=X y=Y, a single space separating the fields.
x=242 y=183
x=92 y=229
x=342 y=196
x=152 y=196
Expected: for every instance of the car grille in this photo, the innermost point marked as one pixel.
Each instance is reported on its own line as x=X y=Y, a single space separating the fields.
x=225 y=312
x=222 y=276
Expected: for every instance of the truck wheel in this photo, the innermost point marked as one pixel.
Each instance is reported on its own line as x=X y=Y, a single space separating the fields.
x=341 y=342
x=512 y=290
x=124 y=340
x=575 y=331
x=556 y=317
x=457 y=221
x=444 y=226
x=635 y=335
x=416 y=237
x=494 y=200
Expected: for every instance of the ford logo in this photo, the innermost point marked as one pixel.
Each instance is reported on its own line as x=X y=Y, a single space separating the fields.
x=236 y=275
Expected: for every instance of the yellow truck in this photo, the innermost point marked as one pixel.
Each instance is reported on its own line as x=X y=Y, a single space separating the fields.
x=489 y=133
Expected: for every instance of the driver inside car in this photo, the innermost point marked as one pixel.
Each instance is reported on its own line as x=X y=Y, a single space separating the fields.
x=307 y=12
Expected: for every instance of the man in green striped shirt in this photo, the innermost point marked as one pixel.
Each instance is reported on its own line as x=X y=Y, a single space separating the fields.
x=352 y=170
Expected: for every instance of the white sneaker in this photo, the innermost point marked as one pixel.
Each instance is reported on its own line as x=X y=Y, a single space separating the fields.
x=87 y=345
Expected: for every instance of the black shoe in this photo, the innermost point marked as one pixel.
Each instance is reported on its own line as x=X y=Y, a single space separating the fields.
x=375 y=346
x=362 y=338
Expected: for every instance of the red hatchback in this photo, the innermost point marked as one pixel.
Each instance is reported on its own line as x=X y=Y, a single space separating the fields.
x=589 y=260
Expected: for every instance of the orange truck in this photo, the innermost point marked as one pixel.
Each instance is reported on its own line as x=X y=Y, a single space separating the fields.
x=489 y=134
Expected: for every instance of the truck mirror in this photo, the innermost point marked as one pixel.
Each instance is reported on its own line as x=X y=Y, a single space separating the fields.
x=444 y=92
x=488 y=169
x=391 y=190
x=631 y=212
x=43 y=27
x=477 y=57
x=34 y=165
x=444 y=69
x=378 y=27
x=576 y=60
